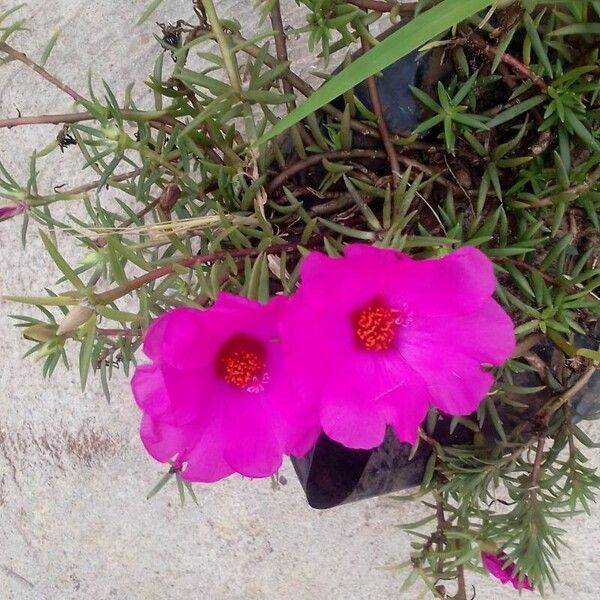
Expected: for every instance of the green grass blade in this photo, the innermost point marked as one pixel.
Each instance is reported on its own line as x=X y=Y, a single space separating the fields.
x=413 y=35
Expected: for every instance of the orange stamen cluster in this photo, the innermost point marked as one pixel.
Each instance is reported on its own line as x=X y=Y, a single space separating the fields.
x=375 y=326
x=241 y=361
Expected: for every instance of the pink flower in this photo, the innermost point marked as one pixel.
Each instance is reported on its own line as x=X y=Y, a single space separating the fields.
x=12 y=210
x=497 y=565
x=216 y=399
x=376 y=337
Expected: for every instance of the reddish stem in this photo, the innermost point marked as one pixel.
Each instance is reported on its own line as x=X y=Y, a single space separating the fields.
x=517 y=66
x=315 y=159
x=21 y=57
x=381 y=124
x=156 y=121
x=190 y=261
x=509 y=60
x=92 y=185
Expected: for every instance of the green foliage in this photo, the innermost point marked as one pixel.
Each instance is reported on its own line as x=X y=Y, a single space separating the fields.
x=416 y=33
x=182 y=201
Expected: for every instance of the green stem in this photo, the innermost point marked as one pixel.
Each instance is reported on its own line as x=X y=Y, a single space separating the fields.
x=228 y=57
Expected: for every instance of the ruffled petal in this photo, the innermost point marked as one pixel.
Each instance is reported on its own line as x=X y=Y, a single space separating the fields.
x=408 y=408
x=197 y=447
x=171 y=395
x=459 y=283
x=358 y=402
x=295 y=417
x=368 y=252
x=205 y=462
x=250 y=443
x=494 y=563
x=189 y=391
x=351 y=385
x=340 y=286
x=486 y=335
x=163 y=442
x=149 y=390
x=179 y=337
x=350 y=422
x=241 y=306
x=456 y=383
x=315 y=342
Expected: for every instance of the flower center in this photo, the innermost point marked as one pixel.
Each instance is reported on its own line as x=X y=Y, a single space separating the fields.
x=375 y=326
x=241 y=362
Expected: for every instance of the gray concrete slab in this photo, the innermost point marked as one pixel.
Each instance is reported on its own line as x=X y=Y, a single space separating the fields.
x=74 y=522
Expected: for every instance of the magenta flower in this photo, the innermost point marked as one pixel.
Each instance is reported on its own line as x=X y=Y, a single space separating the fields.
x=499 y=566
x=216 y=399
x=377 y=336
x=12 y=210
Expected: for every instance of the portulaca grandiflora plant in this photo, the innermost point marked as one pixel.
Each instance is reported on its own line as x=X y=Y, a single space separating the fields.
x=273 y=261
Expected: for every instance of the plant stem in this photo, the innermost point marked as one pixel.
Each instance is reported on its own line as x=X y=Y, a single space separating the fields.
x=441 y=531
x=92 y=185
x=461 y=593
x=156 y=116
x=281 y=47
x=509 y=60
x=537 y=468
x=314 y=159
x=526 y=344
x=282 y=57
x=574 y=191
x=381 y=125
x=573 y=390
x=523 y=265
x=189 y=261
x=223 y=40
x=23 y=58
x=120 y=332
x=401 y=8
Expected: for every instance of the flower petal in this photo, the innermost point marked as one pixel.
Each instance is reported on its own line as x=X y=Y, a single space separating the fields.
x=494 y=563
x=455 y=284
x=408 y=406
x=370 y=393
x=457 y=383
x=295 y=417
x=172 y=395
x=163 y=442
x=149 y=390
x=459 y=283
x=176 y=336
x=190 y=391
x=205 y=462
x=250 y=442
x=349 y=421
x=196 y=446
x=486 y=335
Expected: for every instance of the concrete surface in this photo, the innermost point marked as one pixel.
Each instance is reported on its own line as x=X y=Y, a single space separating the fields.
x=74 y=522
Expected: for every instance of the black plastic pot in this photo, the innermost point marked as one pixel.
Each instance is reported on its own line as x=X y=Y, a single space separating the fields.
x=401 y=110
x=332 y=474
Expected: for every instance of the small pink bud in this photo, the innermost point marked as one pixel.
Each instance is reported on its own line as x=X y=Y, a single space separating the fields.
x=12 y=210
x=497 y=566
